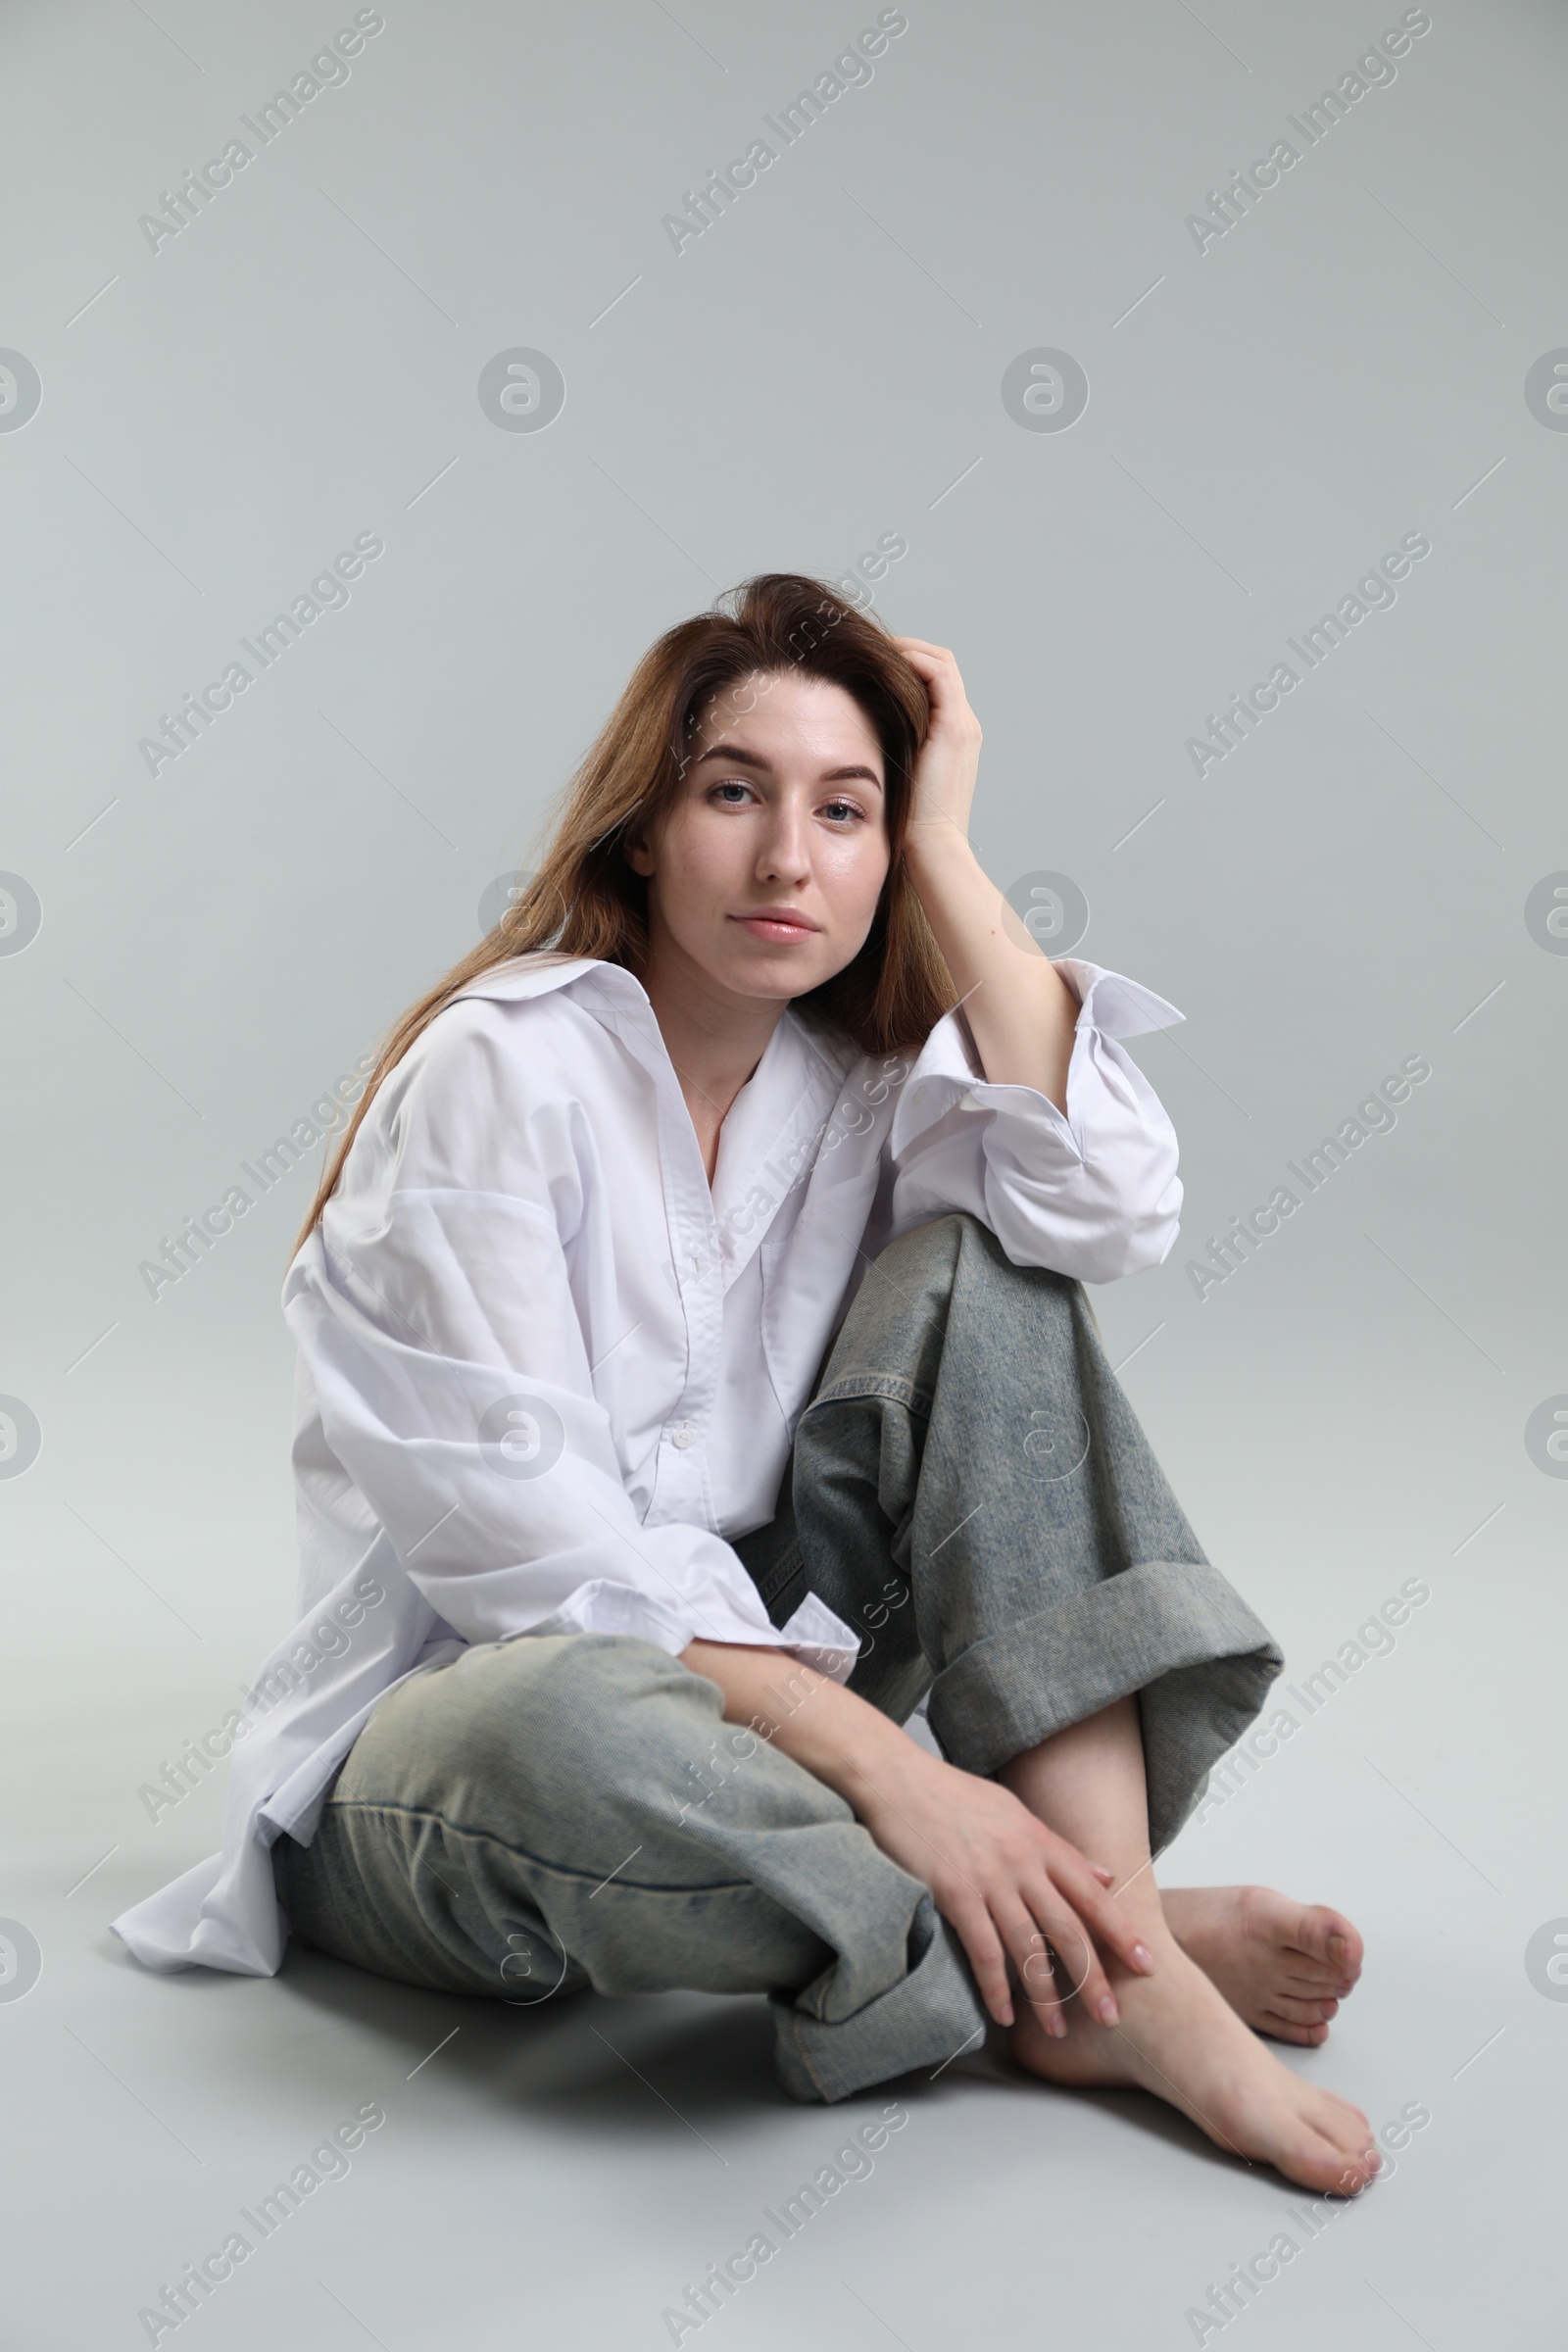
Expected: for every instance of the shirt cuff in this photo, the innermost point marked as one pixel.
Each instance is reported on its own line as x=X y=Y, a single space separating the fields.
x=948 y=1070
x=813 y=1633
x=820 y=1639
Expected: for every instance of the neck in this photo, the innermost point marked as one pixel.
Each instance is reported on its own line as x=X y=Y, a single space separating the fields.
x=715 y=1038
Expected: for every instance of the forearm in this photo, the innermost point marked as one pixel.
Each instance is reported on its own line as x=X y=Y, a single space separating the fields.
x=1020 y=1010
x=833 y=1733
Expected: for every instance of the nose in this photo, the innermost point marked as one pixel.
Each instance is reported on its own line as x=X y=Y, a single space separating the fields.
x=785 y=854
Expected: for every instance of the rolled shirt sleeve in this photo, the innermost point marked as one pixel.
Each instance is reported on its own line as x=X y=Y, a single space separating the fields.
x=453 y=1386
x=1093 y=1193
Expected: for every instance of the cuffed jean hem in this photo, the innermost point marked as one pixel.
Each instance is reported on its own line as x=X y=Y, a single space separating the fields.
x=926 y=2017
x=1175 y=1631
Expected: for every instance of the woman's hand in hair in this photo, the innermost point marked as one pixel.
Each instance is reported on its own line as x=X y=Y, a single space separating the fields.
x=1024 y=1022
x=949 y=758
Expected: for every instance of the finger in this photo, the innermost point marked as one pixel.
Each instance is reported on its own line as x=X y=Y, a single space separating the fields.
x=976 y=1931
x=1074 y=1946
x=1037 y=1978
x=931 y=661
x=1110 y=1923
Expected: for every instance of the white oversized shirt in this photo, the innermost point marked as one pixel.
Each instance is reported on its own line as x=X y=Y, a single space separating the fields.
x=546 y=1375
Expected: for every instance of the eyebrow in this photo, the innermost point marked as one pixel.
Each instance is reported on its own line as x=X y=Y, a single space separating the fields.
x=733 y=753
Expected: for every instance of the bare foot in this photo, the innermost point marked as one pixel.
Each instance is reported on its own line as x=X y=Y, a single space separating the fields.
x=1179 y=2039
x=1284 y=1967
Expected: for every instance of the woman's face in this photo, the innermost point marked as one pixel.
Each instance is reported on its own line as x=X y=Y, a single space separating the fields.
x=765 y=875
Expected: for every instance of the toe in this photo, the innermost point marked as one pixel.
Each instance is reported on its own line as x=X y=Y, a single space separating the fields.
x=1318 y=2160
x=1345 y=2125
x=1354 y=2160
x=1298 y=1976
x=1328 y=1938
x=1315 y=2012
x=1288 y=2029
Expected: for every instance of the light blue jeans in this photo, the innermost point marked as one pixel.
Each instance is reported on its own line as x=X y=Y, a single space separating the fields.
x=970 y=1489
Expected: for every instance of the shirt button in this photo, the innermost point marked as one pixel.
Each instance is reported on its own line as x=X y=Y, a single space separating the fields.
x=683 y=1434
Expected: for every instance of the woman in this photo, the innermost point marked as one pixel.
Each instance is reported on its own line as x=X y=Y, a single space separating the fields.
x=616 y=1595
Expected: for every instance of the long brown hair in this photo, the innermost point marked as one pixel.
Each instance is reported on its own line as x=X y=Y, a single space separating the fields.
x=586 y=900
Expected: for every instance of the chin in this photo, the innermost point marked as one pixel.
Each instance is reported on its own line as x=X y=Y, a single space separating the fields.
x=778 y=974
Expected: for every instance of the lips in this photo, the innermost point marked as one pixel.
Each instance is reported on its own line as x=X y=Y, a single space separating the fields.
x=774 y=924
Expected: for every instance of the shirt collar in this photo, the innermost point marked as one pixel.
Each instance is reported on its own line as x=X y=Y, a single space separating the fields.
x=620 y=991
x=771 y=1124
x=522 y=976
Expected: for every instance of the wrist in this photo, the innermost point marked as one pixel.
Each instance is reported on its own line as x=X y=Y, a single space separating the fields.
x=937 y=845
x=860 y=1754
x=886 y=1776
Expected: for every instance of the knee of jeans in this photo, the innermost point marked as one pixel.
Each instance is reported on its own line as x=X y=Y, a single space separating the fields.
x=575 y=1699
x=958 y=1247
x=1055 y=1291
x=939 y=1237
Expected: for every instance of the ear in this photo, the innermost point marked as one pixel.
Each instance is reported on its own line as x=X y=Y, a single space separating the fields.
x=636 y=852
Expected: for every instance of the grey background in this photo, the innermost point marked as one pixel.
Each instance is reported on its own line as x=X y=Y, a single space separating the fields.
x=1265 y=419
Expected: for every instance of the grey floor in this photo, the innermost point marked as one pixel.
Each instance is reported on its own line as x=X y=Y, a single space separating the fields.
x=562 y=2174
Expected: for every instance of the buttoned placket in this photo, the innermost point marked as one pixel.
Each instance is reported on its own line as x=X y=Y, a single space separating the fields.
x=682 y=1488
